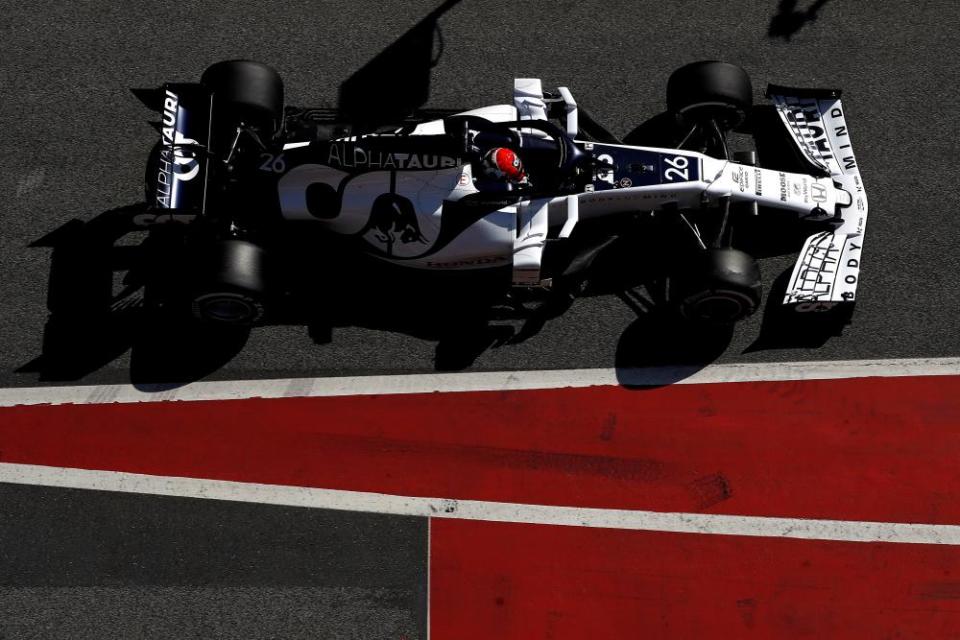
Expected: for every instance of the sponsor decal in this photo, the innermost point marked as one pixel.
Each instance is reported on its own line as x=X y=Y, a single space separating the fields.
x=815 y=307
x=393 y=219
x=168 y=125
x=741 y=179
x=804 y=117
x=818 y=193
x=822 y=272
x=176 y=163
x=470 y=262
x=605 y=173
x=185 y=163
x=757 y=181
x=613 y=196
x=354 y=157
x=164 y=189
x=783 y=186
x=849 y=162
x=152 y=219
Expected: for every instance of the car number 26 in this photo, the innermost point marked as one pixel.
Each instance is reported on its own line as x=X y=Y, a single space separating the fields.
x=677 y=168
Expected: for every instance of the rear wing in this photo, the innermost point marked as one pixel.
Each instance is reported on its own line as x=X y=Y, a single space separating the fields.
x=828 y=269
x=180 y=181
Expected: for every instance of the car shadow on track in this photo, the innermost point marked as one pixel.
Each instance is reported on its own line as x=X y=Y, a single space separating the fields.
x=397 y=80
x=97 y=310
x=784 y=328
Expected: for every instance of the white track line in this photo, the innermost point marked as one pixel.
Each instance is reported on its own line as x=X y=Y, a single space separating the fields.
x=481 y=381
x=807 y=529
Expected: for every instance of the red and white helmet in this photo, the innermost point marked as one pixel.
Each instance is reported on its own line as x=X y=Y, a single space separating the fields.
x=504 y=164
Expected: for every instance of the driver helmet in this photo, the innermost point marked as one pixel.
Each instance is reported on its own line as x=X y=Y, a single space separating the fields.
x=502 y=163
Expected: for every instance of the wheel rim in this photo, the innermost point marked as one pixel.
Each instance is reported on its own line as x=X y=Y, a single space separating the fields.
x=727 y=114
x=721 y=307
x=227 y=308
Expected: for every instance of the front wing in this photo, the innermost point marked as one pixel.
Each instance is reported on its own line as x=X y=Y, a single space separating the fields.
x=827 y=271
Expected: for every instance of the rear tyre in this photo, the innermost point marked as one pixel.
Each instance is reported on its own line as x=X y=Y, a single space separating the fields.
x=710 y=90
x=246 y=91
x=722 y=286
x=231 y=283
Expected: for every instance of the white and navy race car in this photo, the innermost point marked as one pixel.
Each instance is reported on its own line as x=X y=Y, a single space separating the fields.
x=498 y=187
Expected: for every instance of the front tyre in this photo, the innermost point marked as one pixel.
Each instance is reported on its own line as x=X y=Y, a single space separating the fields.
x=710 y=90
x=231 y=283
x=722 y=286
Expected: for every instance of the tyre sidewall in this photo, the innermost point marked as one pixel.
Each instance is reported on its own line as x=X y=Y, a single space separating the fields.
x=710 y=90
x=244 y=90
x=719 y=277
x=228 y=272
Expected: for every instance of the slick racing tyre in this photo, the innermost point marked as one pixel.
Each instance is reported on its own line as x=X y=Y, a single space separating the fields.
x=721 y=286
x=246 y=91
x=230 y=283
x=710 y=90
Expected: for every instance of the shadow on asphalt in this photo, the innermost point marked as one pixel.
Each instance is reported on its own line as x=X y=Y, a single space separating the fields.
x=789 y=20
x=97 y=310
x=659 y=349
x=99 y=268
x=397 y=80
x=784 y=328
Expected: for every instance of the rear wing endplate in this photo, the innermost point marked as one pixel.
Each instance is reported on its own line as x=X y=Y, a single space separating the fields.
x=181 y=172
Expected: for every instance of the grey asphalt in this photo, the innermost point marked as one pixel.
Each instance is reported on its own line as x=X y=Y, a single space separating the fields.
x=74 y=139
x=90 y=564
x=72 y=143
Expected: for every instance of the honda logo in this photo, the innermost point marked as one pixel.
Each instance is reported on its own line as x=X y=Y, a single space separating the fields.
x=818 y=192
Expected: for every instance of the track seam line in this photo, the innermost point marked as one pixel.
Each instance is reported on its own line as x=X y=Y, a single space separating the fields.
x=429 y=569
x=480 y=381
x=366 y=502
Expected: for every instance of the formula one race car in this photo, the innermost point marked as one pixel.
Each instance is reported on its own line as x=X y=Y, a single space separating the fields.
x=497 y=187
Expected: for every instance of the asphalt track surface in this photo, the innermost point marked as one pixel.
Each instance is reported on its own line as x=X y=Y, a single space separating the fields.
x=73 y=143
x=75 y=139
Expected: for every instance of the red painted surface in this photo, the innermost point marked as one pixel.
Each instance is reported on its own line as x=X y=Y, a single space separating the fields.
x=866 y=449
x=882 y=449
x=495 y=580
